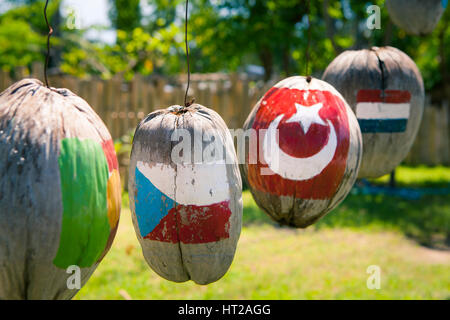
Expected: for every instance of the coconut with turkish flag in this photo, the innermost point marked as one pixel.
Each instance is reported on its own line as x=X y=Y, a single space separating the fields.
x=186 y=193
x=309 y=151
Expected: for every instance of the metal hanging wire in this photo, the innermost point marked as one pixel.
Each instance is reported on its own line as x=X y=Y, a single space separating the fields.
x=47 y=56
x=186 y=103
x=308 y=43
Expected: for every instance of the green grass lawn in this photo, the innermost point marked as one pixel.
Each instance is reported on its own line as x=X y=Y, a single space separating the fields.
x=407 y=239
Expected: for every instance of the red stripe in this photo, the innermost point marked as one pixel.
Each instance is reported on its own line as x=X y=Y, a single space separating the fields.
x=110 y=154
x=391 y=96
x=194 y=224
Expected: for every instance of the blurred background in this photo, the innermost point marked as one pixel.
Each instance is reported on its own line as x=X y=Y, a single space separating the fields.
x=127 y=58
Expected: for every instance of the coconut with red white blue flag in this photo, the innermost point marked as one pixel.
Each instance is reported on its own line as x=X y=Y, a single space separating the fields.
x=186 y=193
x=383 y=112
x=305 y=151
x=385 y=89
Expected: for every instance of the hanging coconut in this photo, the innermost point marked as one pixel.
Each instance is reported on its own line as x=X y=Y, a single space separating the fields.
x=304 y=153
x=60 y=192
x=186 y=196
x=385 y=89
x=416 y=17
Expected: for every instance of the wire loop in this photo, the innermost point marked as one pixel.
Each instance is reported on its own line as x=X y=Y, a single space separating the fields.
x=308 y=37
x=47 y=56
x=186 y=103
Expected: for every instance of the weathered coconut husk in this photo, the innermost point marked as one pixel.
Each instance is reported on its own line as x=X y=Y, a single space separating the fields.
x=184 y=249
x=314 y=197
x=388 y=70
x=51 y=146
x=416 y=17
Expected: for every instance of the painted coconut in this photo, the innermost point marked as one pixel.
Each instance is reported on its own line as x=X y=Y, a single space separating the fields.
x=60 y=192
x=416 y=17
x=385 y=89
x=304 y=151
x=186 y=193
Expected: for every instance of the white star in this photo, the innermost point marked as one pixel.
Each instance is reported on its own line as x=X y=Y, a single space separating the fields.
x=306 y=116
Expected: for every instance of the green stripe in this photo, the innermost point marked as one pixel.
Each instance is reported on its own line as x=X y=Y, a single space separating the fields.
x=85 y=228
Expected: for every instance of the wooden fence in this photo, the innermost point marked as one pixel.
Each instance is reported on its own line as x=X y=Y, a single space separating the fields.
x=122 y=104
x=432 y=145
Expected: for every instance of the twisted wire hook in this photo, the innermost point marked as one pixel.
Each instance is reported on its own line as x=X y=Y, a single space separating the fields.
x=308 y=37
x=47 y=56
x=186 y=103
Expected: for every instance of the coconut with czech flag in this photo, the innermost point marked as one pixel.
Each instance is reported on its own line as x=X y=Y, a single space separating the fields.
x=309 y=147
x=186 y=193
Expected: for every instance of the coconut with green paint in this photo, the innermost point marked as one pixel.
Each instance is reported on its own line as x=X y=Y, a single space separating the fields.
x=59 y=191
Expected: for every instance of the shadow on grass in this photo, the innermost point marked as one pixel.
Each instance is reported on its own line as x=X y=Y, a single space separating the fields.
x=426 y=220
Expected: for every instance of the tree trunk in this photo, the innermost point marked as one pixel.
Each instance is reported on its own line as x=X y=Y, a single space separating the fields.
x=56 y=52
x=287 y=60
x=443 y=65
x=329 y=22
x=266 y=58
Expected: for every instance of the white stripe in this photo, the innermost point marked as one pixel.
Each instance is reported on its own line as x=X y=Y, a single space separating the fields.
x=380 y=110
x=161 y=175
x=196 y=184
x=300 y=83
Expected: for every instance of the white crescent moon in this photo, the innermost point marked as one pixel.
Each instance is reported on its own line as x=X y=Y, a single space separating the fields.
x=294 y=168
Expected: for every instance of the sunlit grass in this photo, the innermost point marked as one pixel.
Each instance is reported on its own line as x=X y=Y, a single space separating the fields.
x=420 y=176
x=326 y=261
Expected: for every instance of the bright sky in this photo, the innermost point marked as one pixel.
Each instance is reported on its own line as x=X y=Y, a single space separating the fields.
x=88 y=13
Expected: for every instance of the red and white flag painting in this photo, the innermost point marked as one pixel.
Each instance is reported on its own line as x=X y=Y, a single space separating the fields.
x=383 y=112
x=188 y=204
x=305 y=144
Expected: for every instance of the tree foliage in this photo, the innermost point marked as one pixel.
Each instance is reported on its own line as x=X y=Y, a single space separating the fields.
x=224 y=35
x=125 y=14
x=22 y=33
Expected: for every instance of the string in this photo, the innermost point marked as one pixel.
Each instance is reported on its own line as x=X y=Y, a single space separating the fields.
x=186 y=103
x=47 y=57
x=308 y=37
